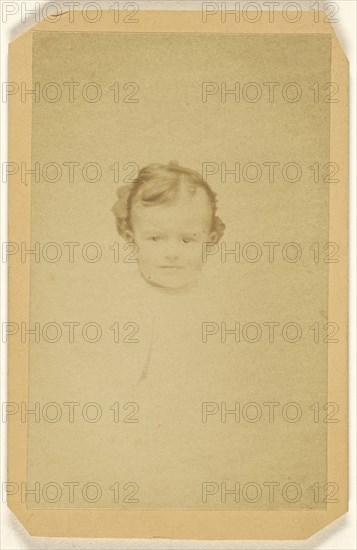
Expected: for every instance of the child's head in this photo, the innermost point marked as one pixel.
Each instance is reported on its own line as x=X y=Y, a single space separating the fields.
x=168 y=211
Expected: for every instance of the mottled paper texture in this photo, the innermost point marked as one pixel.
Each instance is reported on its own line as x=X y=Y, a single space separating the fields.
x=211 y=410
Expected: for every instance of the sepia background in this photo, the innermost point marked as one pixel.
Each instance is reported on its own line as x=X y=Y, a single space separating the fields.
x=170 y=453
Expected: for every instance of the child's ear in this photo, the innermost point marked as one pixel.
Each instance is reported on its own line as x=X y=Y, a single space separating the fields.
x=129 y=236
x=218 y=231
x=213 y=237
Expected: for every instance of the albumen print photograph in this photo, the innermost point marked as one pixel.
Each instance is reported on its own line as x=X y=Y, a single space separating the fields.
x=187 y=312
x=180 y=248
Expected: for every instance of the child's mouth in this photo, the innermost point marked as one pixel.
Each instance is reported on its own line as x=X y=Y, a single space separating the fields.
x=170 y=267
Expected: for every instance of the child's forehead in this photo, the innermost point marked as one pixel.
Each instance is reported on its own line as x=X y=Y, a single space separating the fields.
x=188 y=207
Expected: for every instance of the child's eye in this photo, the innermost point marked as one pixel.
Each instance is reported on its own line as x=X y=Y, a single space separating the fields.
x=187 y=240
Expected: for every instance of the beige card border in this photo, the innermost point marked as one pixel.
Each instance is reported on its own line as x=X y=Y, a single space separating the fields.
x=170 y=523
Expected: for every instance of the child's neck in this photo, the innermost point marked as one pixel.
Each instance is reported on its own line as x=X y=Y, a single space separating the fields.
x=182 y=290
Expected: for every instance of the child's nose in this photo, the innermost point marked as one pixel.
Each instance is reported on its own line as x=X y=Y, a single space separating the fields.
x=172 y=250
x=171 y=254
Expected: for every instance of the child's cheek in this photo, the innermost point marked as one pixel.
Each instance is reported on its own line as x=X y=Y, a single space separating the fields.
x=193 y=255
x=148 y=251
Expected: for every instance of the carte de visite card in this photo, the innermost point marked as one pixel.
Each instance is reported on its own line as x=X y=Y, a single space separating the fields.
x=178 y=275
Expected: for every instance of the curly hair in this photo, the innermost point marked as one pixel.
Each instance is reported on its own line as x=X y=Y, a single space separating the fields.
x=157 y=184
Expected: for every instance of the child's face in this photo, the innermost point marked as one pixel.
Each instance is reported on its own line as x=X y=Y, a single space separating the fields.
x=170 y=237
